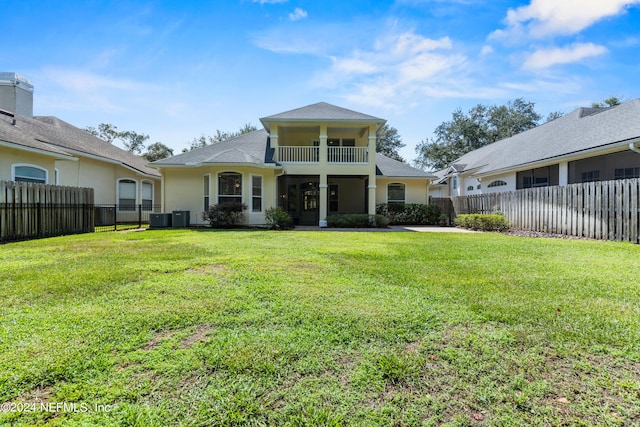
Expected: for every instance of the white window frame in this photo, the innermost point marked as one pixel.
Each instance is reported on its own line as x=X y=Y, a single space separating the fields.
x=261 y=196
x=142 y=183
x=135 y=200
x=405 y=193
x=242 y=186
x=206 y=191
x=29 y=165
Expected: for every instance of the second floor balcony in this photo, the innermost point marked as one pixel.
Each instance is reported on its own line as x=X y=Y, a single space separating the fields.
x=311 y=154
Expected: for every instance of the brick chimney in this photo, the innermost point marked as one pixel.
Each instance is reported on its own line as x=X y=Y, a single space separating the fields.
x=16 y=94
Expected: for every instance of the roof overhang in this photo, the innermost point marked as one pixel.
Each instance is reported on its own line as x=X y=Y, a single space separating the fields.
x=111 y=161
x=54 y=154
x=200 y=164
x=576 y=155
x=267 y=122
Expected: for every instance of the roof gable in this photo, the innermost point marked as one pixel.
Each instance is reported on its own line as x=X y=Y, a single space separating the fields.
x=249 y=148
x=320 y=112
x=386 y=166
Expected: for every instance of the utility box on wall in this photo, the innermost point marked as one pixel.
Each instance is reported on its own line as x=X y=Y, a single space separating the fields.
x=181 y=219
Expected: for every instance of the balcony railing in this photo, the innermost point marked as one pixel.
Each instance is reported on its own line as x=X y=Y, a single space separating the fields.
x=298 y=154
x=290 y=154
x=348 y=155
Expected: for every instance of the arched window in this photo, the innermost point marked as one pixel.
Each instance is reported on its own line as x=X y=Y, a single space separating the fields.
x=127 y=194
x=29 y=173
x=497 y=183
x=229 y=187
x=396 y=193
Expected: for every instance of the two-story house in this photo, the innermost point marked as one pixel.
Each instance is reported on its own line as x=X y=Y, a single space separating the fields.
x=312 y=161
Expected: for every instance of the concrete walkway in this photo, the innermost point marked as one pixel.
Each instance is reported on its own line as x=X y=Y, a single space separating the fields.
x=394 y=228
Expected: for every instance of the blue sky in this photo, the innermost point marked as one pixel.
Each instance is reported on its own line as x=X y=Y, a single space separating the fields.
x=177 y=69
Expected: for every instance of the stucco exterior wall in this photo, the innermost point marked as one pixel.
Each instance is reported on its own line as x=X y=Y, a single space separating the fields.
x=103 y=177
x=10 y=157
x=509 y=178
x=184 y=190
x=416 y=191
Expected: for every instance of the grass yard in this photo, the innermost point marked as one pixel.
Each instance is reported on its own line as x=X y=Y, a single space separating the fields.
x=199 y=328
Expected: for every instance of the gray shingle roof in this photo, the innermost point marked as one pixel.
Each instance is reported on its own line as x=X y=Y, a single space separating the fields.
x=59 y=137
x=320 y=112
x=249 y=148
x=14 y=135
x=582 y=129
x=386 y=166
x=252 y=149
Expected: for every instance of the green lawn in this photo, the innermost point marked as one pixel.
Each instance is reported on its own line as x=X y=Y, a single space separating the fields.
x=201 y=328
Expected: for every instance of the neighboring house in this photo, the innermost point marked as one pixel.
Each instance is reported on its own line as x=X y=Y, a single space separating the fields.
x=588 y=144
x=51 y=151
x=313 y=161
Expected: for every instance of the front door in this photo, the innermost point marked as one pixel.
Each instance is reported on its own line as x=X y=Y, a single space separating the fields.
x=300 y=196
x=309 y=203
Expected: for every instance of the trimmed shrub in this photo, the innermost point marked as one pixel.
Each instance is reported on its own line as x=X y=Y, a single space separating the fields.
x=410 y=213
x=225 y=215
x=482 y=222
x=278 y=219
x=357 y=221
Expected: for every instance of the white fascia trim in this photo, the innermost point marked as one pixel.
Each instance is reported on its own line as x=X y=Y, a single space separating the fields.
x=578 y=155
x=56 y=156
x=234 y=165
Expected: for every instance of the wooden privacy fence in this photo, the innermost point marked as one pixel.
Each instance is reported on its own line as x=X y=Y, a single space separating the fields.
x=30 y=210
x=607 y=210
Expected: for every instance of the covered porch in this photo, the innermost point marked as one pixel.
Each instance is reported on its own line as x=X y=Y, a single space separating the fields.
x=310 y=198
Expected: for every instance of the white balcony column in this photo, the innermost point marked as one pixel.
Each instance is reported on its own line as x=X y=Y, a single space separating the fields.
x=371 y=158
x=563 y=173
x=322 y=214
x=274 y=141
x=372 y=195
x=323 y=153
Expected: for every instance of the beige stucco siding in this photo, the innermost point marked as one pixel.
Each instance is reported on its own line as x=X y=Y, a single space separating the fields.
x=416 y=191
x=184 y=190
x=103 y=177
x=10 y=157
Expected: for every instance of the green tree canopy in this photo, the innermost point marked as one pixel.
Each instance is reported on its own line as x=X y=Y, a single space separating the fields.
x=612 y=101
x=133 y=141
x=388 y=142
x=157 y=151
x=480 y=126
x=106 y=132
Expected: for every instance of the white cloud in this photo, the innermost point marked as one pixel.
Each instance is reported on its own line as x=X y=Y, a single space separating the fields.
x=297 y=14
x=544 y=58
x=399 y=67
x=486 y=50
x=543 y=18
x=89 y=90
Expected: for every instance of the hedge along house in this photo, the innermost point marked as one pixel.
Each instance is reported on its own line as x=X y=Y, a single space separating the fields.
x=312 y=161
x=588 y=144
x=47 y=150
